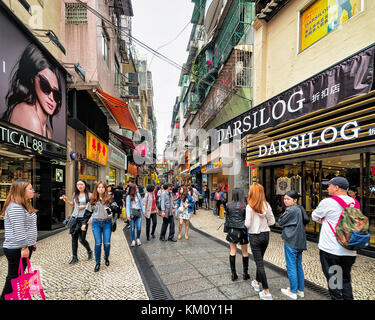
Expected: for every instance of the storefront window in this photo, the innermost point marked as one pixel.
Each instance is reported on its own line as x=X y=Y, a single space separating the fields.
x=112 y=176
x=89 y=173
x=370 y=208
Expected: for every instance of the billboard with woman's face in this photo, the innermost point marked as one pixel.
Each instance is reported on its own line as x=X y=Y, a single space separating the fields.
x=32 y=87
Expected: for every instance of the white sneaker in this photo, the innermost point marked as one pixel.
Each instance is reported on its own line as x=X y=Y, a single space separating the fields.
x=138 y=242
x=289 y=293
x=133 y=243
x=301 y=294
x=264 y=296
x=255 y=286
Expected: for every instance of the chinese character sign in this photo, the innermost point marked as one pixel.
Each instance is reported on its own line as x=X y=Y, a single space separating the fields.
x=96 y=149
x=324 y=16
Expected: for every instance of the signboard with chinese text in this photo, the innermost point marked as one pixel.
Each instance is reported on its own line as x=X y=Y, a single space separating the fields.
x=324 y=16
x=96 y=149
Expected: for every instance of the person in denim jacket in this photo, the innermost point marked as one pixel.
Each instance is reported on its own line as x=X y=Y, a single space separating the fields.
x=187 y=203
x=134 y=211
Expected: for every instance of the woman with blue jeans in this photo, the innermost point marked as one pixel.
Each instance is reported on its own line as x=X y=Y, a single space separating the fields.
x=101 y=210
x=134 y=211
x=294 y=237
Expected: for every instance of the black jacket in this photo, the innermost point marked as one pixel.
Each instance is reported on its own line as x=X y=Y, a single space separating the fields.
x=235 y=215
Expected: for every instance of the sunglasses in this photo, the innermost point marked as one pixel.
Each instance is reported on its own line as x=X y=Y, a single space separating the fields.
x=46 y=88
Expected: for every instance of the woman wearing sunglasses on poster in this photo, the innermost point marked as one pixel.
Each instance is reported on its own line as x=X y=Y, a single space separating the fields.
x=34 y=96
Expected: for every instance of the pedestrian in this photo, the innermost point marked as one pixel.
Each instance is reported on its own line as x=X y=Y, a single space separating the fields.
x=185 y=205
x=259 y=217
x=195 y=195
x=236 y=231
x=101 y=210
x=151 y=210
x=219 y=197
x=175 y=195
x=336 y=260
x=294 y=236
x=80 y=199
x=167 y=211
x=141 y=190
x=134 y=211
x=206 y=197
x=20 y=230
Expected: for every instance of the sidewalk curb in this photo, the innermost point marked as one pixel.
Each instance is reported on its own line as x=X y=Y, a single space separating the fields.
x=312 y=286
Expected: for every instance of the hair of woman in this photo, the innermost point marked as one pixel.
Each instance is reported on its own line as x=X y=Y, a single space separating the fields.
x=184 y=194
x=132 y=192
x=106 y=198
x=77 y=192
x=293 y=194
x=257 y=198
x=17 y=194
x=239 y=196
x=22 y=84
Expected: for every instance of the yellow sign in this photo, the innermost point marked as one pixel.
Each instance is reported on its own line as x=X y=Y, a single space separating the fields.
x=324 y=16
x=87 y=177
x=96 y=149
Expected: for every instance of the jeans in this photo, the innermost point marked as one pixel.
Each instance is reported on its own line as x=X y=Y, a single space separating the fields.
x=148 y=224
x=337 y=272
x=206 y=203
x=258 y=245
x=13 y=256
x=294 y=268
x=168 y=220
x=135 y=223
x=102 y=231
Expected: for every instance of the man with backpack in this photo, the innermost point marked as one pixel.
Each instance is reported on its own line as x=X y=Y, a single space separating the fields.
x=337 y=260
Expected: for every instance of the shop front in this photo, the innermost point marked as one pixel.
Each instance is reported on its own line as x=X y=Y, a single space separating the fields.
x=118 y=162
x=333 y=136
x=33 y=120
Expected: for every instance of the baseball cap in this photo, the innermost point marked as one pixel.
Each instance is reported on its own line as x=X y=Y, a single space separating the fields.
x=341 y=182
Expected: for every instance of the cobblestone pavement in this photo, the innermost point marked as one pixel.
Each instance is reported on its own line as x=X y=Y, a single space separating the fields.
x=198 y=268
x=363 y=270
x=61 y=281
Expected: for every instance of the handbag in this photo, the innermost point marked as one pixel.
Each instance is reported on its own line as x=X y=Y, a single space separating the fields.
x=123 y=213
x=26 y=284
x=136 y=213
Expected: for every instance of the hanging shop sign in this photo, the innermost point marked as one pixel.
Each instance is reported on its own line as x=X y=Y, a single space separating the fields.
x=132 y=170
x=350 y=78
x=96 y=149
x=116 y=157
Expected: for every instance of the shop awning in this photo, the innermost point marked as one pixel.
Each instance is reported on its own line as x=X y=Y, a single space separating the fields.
x=126 y=141
x=119 y=109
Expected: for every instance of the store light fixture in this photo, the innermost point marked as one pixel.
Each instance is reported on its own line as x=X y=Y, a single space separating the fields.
x=48 y=33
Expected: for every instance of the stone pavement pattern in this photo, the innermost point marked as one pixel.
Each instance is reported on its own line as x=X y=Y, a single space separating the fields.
x=62 y=281
x=198 y=269
x=363 y=270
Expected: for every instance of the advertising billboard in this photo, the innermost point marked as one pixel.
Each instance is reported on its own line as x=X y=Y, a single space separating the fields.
x=32 y=85
x=96 y=149
x=324 y=16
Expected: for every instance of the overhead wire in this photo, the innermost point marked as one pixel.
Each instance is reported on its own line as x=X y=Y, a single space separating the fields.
x=154 y=52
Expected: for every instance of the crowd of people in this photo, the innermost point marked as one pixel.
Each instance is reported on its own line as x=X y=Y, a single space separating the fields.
x=247 y=221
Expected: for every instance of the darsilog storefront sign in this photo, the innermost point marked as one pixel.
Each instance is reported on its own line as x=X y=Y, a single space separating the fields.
x=347 y=79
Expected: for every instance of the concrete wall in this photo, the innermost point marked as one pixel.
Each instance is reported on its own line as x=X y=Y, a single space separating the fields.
x=277 y=63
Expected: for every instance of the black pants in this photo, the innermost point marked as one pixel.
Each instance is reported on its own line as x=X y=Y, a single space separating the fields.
x=13 y=256
x=337 y=272
x=218 y=204
x=258 y=245
x=148 y=224
x=81 y=236
x=167 y=221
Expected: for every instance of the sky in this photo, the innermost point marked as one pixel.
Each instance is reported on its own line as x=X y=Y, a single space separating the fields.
x=157 y=23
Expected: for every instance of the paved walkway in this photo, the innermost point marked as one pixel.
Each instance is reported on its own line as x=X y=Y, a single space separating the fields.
x=363 y=271
x=61 y=281
x=198 y=269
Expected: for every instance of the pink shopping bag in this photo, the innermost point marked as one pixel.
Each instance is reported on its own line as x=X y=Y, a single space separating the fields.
x=26 y=284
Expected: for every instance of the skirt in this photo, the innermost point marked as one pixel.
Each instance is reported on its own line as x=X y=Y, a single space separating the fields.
x=185 y=215
x=237 y=236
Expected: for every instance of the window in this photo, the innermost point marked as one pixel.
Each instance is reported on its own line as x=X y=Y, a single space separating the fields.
x=242 y=68
x=105 y=46
x=75 y=13
x=324 y=16
x=117 y=73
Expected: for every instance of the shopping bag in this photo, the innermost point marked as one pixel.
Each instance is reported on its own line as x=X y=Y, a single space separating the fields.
x=123 y=213
x=26 y=284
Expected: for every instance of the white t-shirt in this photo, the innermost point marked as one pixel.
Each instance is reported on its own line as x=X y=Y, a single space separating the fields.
x=330 y=210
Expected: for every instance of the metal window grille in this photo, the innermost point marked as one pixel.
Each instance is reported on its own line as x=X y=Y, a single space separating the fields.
x=242 y=69
x=75 y=13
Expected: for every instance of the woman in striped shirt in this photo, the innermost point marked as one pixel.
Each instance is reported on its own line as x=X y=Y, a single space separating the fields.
x=20 y=229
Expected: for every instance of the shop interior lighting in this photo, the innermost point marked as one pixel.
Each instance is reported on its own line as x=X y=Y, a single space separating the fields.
x=48 y=33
